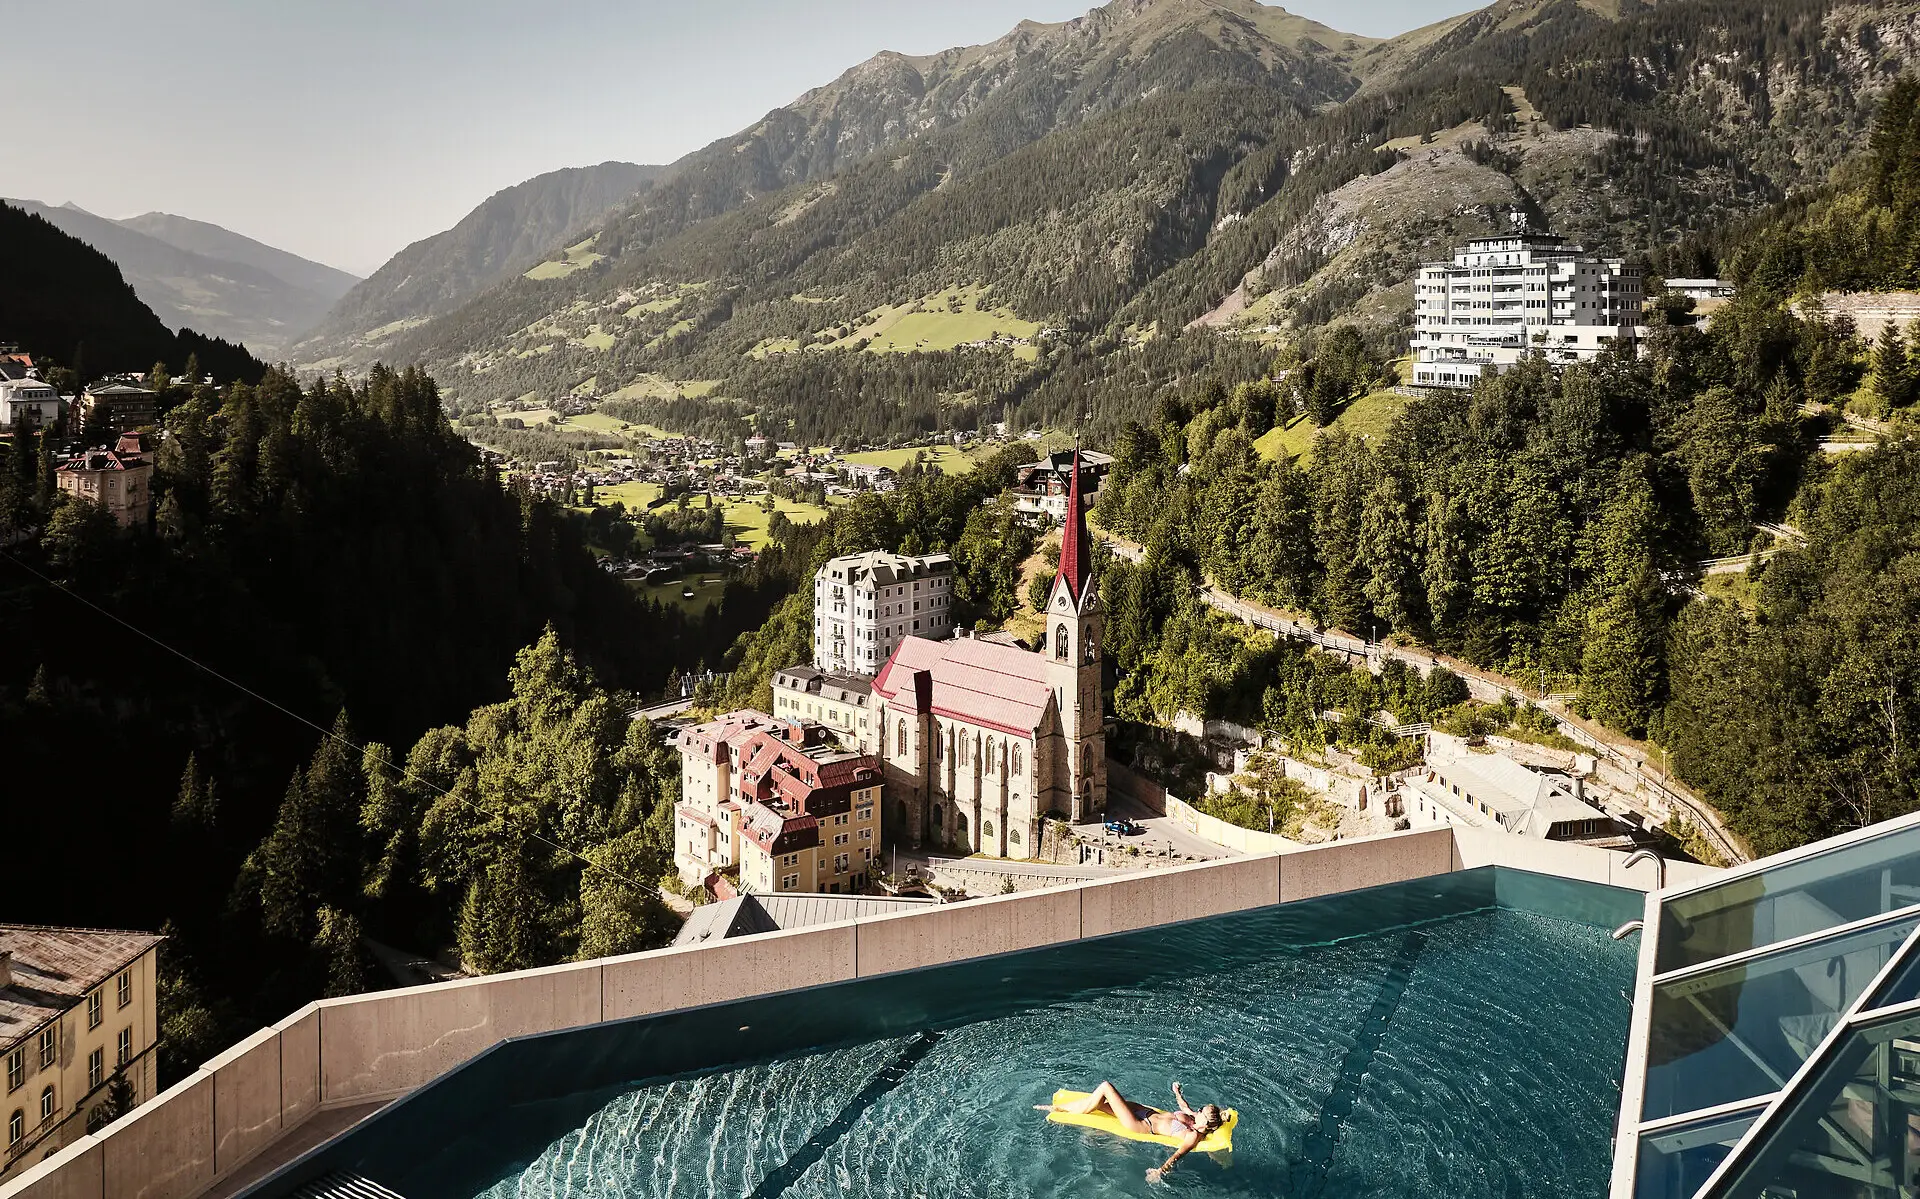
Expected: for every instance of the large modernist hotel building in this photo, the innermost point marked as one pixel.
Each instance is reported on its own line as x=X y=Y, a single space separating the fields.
x=1503 y=297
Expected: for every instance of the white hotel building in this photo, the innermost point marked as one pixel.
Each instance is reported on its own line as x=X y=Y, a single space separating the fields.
x=866 y=604
x=1502 y=297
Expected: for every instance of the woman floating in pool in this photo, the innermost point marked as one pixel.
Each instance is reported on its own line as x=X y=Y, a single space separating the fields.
x=1187 y=1126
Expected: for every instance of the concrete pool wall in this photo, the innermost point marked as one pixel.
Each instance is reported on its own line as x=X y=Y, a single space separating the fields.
x=217 y=1125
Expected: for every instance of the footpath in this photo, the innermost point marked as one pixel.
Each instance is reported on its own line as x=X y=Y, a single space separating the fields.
x=1633 y=757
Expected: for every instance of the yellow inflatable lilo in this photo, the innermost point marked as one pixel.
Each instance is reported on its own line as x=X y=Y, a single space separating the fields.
x=1107 y=1110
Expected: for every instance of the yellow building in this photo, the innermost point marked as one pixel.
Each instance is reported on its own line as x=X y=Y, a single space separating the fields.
x=780 y=802
x=77 y=1006
x=116 y=481
x=844 y=703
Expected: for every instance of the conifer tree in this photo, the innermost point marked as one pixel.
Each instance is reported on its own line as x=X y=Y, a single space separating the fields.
x=338 y=942
x=1893 y=370
x=196 y=808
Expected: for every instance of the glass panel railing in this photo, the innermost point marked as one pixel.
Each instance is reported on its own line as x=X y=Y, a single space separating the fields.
x=1853 y=1131
x=1676 y=1161
x=1902 y=984
x=1730 y=1034
x=1855 y=882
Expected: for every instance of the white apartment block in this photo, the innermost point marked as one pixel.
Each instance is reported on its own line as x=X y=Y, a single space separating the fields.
x=866 y=604
x=1506 y=296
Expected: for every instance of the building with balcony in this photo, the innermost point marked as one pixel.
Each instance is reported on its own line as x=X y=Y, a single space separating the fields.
x=115 y=404
x=28 y=403
x=1040 y=488
x=844 y=703
x=77 y=1009
x=114 y=479
x=1507 y=296
x=779 y=802
x=706 y=830
x=866 y=604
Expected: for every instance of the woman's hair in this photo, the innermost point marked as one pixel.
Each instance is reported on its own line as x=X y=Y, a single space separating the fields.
x=1209 y=1118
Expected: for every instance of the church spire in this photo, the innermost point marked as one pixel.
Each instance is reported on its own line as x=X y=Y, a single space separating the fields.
x=1076 y=566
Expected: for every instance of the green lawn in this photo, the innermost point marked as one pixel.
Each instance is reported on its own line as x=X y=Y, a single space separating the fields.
x=636 y=496
x=1367 y=417
x=600 y=422
x=950 y=460
x=532 y=416
x=749 y=524
x=707 y=589
x=579 y=257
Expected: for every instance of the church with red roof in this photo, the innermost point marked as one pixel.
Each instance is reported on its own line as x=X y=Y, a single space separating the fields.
x=981 y=741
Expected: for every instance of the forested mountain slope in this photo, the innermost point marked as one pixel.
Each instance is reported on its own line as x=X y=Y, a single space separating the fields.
x=240 y=301
x=1173 y=163
x=510 y=232
x=1037 y=79
x=63 y=300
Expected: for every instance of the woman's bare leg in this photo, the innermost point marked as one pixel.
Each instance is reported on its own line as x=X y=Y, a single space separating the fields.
x=1108 y=1096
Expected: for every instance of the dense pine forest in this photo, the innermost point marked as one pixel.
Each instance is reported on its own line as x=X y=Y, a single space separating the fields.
x=323 y=553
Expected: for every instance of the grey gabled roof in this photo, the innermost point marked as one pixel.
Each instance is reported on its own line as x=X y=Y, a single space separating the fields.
x=747 y=915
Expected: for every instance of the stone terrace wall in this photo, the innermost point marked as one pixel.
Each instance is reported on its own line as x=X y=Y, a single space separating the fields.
x=367 y=1048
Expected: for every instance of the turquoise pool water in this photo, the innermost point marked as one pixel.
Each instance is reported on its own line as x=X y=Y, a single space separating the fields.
x=1462 y=1050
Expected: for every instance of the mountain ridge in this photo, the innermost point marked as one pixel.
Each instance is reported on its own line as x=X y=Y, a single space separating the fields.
x=215 y=241
x=503 y=235
x=65 y=300
x=233 y=300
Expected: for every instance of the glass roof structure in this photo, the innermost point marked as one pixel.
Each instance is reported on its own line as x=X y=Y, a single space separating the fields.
x=1775 y=1050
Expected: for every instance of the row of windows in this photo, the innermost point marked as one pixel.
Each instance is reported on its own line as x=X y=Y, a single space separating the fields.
x=49 y=1102
x=49 y=1043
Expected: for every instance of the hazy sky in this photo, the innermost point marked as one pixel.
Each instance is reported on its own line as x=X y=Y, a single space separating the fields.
x=344 y=129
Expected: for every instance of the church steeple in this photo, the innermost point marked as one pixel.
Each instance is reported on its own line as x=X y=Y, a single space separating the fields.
x=1076 y=562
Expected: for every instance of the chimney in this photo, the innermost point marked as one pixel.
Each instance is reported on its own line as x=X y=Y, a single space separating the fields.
x=6 y=968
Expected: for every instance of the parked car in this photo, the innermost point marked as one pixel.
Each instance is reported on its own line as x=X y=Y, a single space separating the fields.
x=1124 y=828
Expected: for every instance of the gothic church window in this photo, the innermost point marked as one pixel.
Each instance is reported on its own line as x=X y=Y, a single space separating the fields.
x=1060 y=640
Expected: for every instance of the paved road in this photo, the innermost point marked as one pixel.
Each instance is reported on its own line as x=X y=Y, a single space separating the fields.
x=1618 y=750
x=661 y=711
x=1162 y=831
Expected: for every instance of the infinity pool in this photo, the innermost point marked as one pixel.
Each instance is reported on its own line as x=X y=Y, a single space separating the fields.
x=1418 y=1040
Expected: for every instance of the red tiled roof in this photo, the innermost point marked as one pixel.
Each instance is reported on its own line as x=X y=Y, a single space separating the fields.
x=977 y=682
x=706 y=740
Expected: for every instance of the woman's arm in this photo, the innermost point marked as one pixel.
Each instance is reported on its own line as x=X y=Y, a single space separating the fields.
x=1182 y=1101
x=1166 y=1167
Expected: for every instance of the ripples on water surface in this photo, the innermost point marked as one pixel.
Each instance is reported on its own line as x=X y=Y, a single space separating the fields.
x=1496 y=1075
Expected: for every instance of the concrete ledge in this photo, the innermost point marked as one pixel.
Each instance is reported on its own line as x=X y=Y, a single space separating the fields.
x=248 y=1107
x=1365 y=862
x=1181 y=893
x=163 y=1149
x=299 y=1065
x=76 y=1172
x=980 y=928
x=387 y=1043
x=643 y=984
x=1475 y=847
